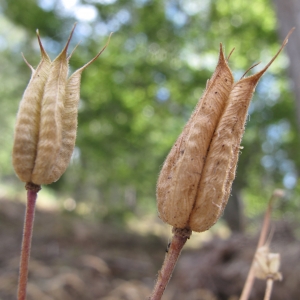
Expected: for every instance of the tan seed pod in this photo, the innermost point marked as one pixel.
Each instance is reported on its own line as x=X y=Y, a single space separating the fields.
x=50 y=135
x=28 y=119
x=47 y=119
x=196 y=178
x=179 y=178
x=267 y=264
x=220 y=166
x=69 y=121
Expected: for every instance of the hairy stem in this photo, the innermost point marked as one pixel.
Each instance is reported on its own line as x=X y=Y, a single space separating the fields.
x=32 y=191
x=269 y=288
x=179 y=239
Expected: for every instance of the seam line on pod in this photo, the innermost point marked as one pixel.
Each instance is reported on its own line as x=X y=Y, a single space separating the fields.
x=50 y=134
x=223 y=153
x=181 y=172
x=28 y=118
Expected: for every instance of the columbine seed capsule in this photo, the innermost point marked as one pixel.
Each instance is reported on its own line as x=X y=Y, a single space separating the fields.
x=178 y=181
x=220 y=166
x=196 y=178
x=47 y=120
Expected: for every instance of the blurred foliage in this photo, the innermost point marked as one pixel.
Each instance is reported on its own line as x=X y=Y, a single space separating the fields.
x=137 y=96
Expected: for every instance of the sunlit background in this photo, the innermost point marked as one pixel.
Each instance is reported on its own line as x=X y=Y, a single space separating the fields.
x=137 y=96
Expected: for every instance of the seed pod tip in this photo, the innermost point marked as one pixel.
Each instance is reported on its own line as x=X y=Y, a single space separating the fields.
x=93 y=59
x=27 y=63
x=43 y=52
x=69 y=57
x=253 y=66
x=230 y=54
x=63 y=53
x=278 y=52
x=195 y=181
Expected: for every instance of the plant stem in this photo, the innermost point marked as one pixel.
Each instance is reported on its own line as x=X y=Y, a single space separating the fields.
x=32 y=190
x=263 y=235
x=269 y=288
x=179 y=239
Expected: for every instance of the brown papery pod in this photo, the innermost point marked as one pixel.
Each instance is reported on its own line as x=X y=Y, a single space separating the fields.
x=50 y=135
x=178 y=181
x=196 y=178
x=46 y=125
x=220 y=166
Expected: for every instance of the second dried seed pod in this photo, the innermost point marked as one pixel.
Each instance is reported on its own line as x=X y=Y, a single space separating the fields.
x=46 y=126
x=194 y=184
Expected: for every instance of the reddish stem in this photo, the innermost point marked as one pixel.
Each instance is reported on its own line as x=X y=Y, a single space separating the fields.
x=32 y=190
x=179 y=239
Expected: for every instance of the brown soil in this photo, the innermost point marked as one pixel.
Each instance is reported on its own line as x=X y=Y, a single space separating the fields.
x=75 y=259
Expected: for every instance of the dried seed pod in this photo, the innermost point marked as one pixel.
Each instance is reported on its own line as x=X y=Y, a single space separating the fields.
x=179 y=178
x=196 y=178
x=28 y=118
x=50 y=135
x=267 y=264
x=220 y=166
x=69 y=121
x=47 y=119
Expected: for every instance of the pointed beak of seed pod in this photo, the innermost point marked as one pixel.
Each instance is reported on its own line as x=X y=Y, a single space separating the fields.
x=195 y=181
x=46 y=126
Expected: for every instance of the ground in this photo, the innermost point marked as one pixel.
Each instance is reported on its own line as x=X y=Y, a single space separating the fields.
x=73 y=258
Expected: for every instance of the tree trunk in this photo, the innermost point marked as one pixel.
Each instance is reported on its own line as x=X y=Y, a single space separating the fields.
x=288 y=15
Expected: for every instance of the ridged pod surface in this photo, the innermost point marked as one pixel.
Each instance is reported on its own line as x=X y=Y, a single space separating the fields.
x=220 y=166
x=50 y=134
x=180 y=175
x=28 y=119
x=46 y=126
x=195 y=181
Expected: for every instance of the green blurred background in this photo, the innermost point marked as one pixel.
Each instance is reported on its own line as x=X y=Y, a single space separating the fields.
x=136 y=98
